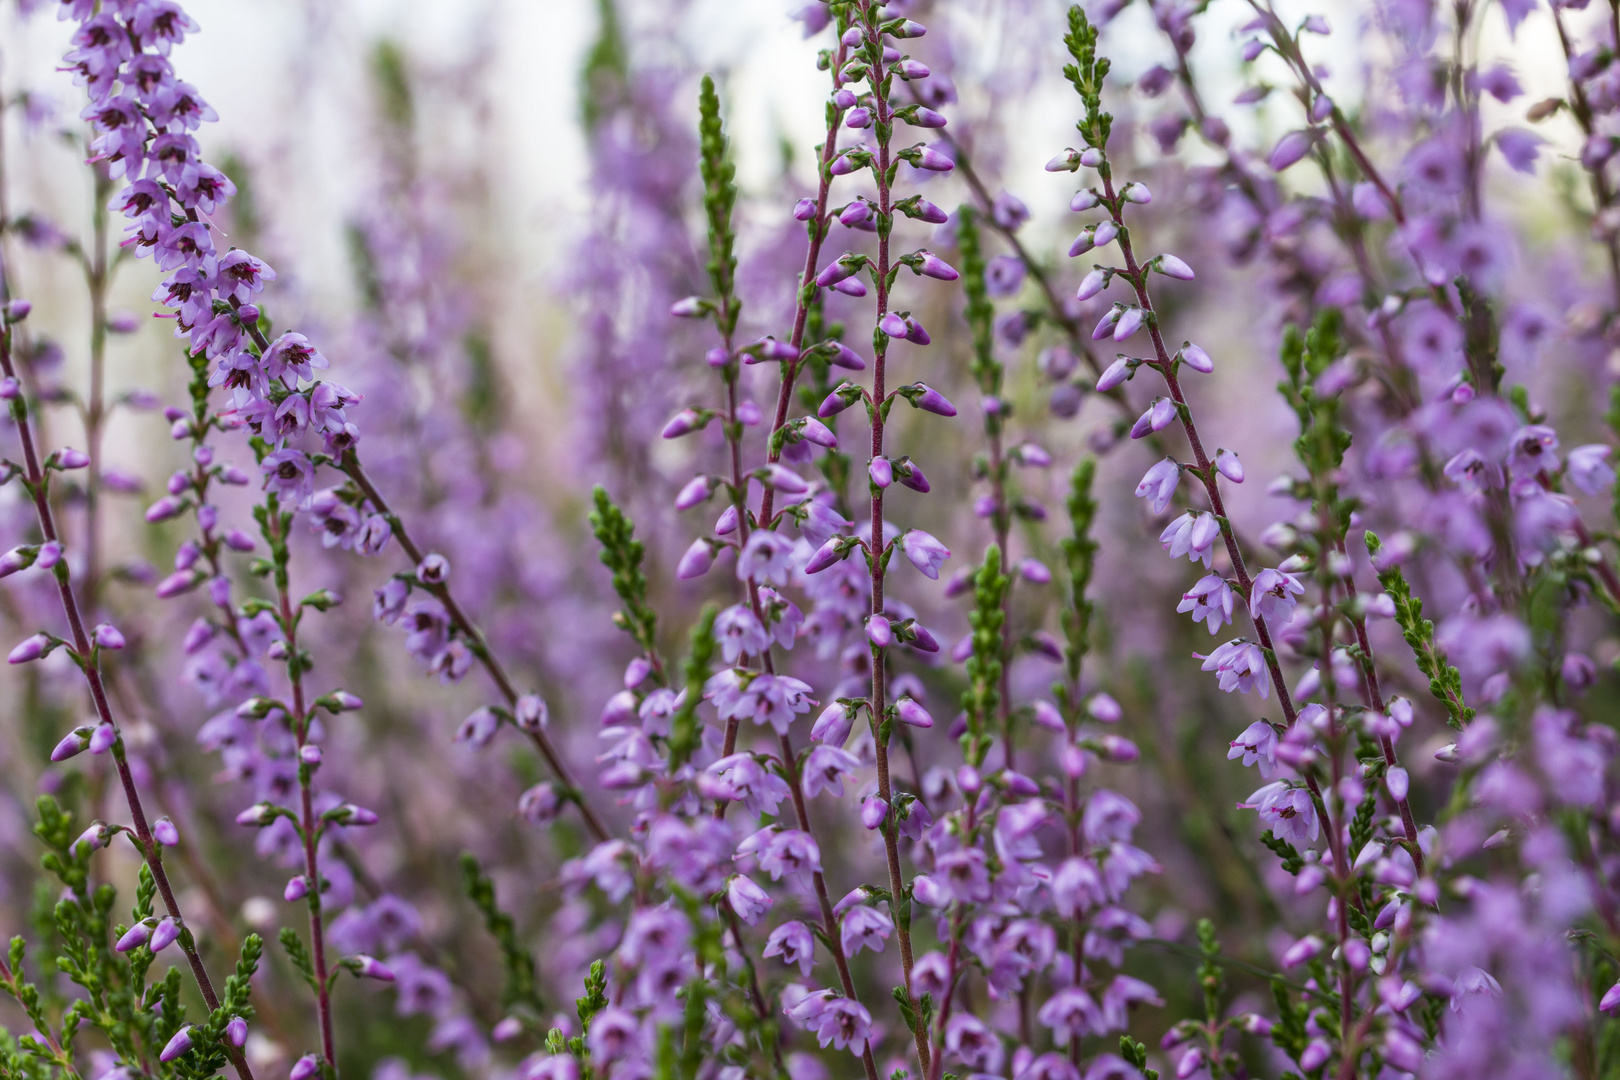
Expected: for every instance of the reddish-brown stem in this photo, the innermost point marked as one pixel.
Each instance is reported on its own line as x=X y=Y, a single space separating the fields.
x=829 y=921
x=1205 y=471
x=309 y=824
x=475 y=639
x=98 y=696
x=819 y=226
x=884 y=120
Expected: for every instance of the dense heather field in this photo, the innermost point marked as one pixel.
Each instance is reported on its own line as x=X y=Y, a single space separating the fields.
x=835 y=599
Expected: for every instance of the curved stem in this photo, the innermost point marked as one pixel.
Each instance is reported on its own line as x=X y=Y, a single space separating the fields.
x=150 y=852
x=884 y=120
x=480 y=648
x=275 y=535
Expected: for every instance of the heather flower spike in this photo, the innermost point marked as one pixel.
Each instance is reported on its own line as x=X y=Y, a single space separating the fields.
x=765 y=792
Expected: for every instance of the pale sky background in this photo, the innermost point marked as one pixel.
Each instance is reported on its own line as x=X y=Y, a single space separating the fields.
x=289 y=80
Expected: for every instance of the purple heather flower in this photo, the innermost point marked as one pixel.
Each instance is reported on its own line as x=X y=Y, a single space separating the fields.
x=864 y=928
x=1257 y=745
x=825 y=768
x=1239 y=665
x=789 y=851
x=766 y=559
x=304 y=1068
x=931 y=400
x=1229 y=466
x=236 y=1032
x=1588 y=469
x=1191 y=535
x=873 y=811
x=72 y=745
x=165 y=833
x=1288 y=811
x=925 y=553
x=1071 y=1014
x=739 y=633
x=795 y=944
x=881 y=471
x=833 y=726
x=1272 y=596
x=1158 y=485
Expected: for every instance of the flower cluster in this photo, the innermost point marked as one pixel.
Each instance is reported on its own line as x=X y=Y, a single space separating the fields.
x=803 y=816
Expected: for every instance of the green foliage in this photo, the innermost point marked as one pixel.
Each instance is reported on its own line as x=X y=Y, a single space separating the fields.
x=520 y=988
x=686 y=732
x=1136 y=1053
x=979 y=312
x=606 y=71
x=719 y=200
x=391 y=76
x=1087 y=74
x=595 y=998
x=1211 y=977
x=1291 y=860
x=622 y=553
x=1079 y=558
x=293 y=946
x=1445 y=681
x=983 y=694
x=1288 y=1032
x=1323 y=438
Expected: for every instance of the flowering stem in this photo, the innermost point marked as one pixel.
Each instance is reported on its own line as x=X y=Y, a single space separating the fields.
x=1602 y=194
x=1204 y=470
x=808 y=289
x=829 y=921
x=275 y=524
x=98 y=696
x=475 y=641
x=883 y=124
x=1375 y=699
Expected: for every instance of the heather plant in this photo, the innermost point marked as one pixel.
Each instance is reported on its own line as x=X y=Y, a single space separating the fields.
x=841 y=810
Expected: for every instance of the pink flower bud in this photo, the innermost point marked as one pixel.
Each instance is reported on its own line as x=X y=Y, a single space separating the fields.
x=1092 y=284
x=1197 y=359
x=878 y=631
x=935 y=267
x=873 y=811
x=1170 y=266
x=165 y=934
x=31 y=648
x=1114 y=375
x=103 y=738
x=913 y=714
x=696 y=562
x=177 y=1045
